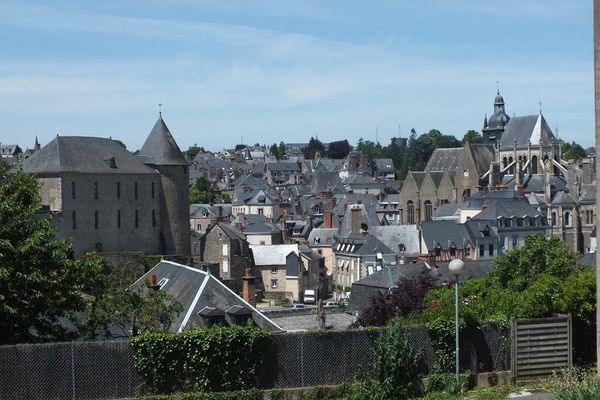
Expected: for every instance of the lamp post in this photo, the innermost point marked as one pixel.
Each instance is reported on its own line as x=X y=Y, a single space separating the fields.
x=456 y=267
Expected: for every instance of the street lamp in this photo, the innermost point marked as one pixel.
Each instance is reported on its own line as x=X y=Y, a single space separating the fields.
x=456 y=267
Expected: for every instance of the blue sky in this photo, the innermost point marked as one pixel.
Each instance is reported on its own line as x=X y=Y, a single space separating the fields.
x=272 y=70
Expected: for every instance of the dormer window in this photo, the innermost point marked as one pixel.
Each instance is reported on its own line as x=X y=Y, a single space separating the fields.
x=486 y=231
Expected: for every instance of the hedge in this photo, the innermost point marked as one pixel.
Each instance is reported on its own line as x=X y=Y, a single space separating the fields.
x=205 y=360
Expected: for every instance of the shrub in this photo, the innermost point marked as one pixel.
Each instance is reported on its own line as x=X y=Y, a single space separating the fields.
x=396 y=361
x=208 y=359
x=588 y=389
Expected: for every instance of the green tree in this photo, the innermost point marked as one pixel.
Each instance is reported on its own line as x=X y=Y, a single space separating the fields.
x=201 y=192
x=314 y=146
x=281 y=150
x=225 y=198
x=518 y=268
x=338 y=149
x=193 y=151
x=41 y=282
x=274 y=151
x=472 y=137
x=118 y=309
x=573 y=151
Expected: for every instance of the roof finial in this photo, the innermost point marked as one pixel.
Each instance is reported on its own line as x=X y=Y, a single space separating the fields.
x=498 y=87
x=160 y=109
x=540 y=106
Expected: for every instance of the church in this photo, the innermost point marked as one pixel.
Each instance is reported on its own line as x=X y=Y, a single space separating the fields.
x=519 y=153
x=108 y=199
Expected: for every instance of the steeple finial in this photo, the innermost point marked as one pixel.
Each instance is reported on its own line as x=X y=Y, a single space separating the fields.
x=540 y=106
x=160 y=109
x=498 y=87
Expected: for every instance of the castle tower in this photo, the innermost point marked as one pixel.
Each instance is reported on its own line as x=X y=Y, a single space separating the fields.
x=161 y=152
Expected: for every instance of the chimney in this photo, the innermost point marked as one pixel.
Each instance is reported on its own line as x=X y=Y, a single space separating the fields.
x=248 y=291
x=152 y=282
x=309 y=221
x=355 y=219
x=520 y=191
x=328 y=219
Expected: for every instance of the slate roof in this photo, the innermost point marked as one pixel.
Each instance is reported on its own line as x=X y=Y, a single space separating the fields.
x=326 y=181
x=160 y=148
x=444 y=159
x=483 y=155
x=446 y=210
x=418 y=177
x=395 y=235
x=283 y=166
x=274 y=254
x=384 y=164
x=368 y=217
x=373 y=245
x=255 y=224
x=444 y=233
x=198 y=290
x=526 y=129
x=322 y=236
x=85 y=155
x=563 y=199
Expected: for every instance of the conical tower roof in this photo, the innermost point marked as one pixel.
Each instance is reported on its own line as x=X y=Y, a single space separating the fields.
x=160 y=147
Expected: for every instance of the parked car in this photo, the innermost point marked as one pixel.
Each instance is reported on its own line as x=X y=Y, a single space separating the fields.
x=309 y=296
x=344 y=302
x=298 y=306
x=330 y=304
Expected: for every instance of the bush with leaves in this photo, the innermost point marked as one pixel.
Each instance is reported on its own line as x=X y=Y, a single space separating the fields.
x=405 y=298
x=207 y=359
x=396 y=361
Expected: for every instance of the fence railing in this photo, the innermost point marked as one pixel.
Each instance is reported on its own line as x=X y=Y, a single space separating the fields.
x=104 y=370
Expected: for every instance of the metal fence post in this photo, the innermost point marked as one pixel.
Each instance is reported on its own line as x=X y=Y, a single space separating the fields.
x=72 y=370
x=513 y=349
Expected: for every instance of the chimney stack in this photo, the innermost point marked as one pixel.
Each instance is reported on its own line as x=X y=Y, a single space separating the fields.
x=355 y=218
x=248 y=291
x=328 y=219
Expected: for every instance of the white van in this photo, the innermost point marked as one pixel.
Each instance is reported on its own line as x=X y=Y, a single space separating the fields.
x=309 y=296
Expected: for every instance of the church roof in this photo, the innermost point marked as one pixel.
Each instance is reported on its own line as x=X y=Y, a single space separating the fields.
x=87 y=155
x=444 y=159
x=528 y=129
x=160 y=147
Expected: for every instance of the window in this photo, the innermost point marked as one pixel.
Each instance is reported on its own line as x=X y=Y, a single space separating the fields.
x=481 y=250
x=225 y=265
x=225 y=249
x=467 y=252
x=74 y=219
x=452 y=250
x=553 y=218
x=274 y=269
x=72 y=190
x=428 y=210
x=515 y=240
x=137 y=219
x=507 y=223
x=491 y=249
x=534 y=165
x=118 y=219
x=519 y=221
x=274 y=283
x=153 y=219
x=199 y=227
x=152 y=190
x=261 y=211
x=96 y=190
x=135 y=190
x=96 y=219
x=118 y=190
x=410 y=212
x=241 y=319
x=567 y=219
x=216 y=321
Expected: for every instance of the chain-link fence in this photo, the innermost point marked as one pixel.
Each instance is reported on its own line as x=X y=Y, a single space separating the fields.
x=78 y=370
x=104 y=370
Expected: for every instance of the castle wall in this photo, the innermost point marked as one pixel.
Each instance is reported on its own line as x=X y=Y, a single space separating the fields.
x=174 y=209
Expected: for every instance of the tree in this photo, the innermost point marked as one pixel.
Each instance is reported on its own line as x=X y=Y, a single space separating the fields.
x=281 y=150
x=225 y=198
x=41 y=283
x=202 y=192
x=518 y=268
x=339 y=149
x=274 y=150
x=472 y=137
x=314 y=146
x=118 y=309
x=573 y=151
x=193 y=151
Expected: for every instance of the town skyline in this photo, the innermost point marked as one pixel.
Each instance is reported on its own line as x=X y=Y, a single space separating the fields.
x=274 y=72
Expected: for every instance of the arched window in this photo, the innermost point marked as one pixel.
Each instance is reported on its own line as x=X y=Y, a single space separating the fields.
x=534 y=165
x=428 y=210
x=410 y=212
x=504 y=162
x=512 y=168
x=553 y=218
x=567 y=221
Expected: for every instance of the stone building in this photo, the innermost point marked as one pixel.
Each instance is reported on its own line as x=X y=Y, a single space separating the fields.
x=108 y=199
